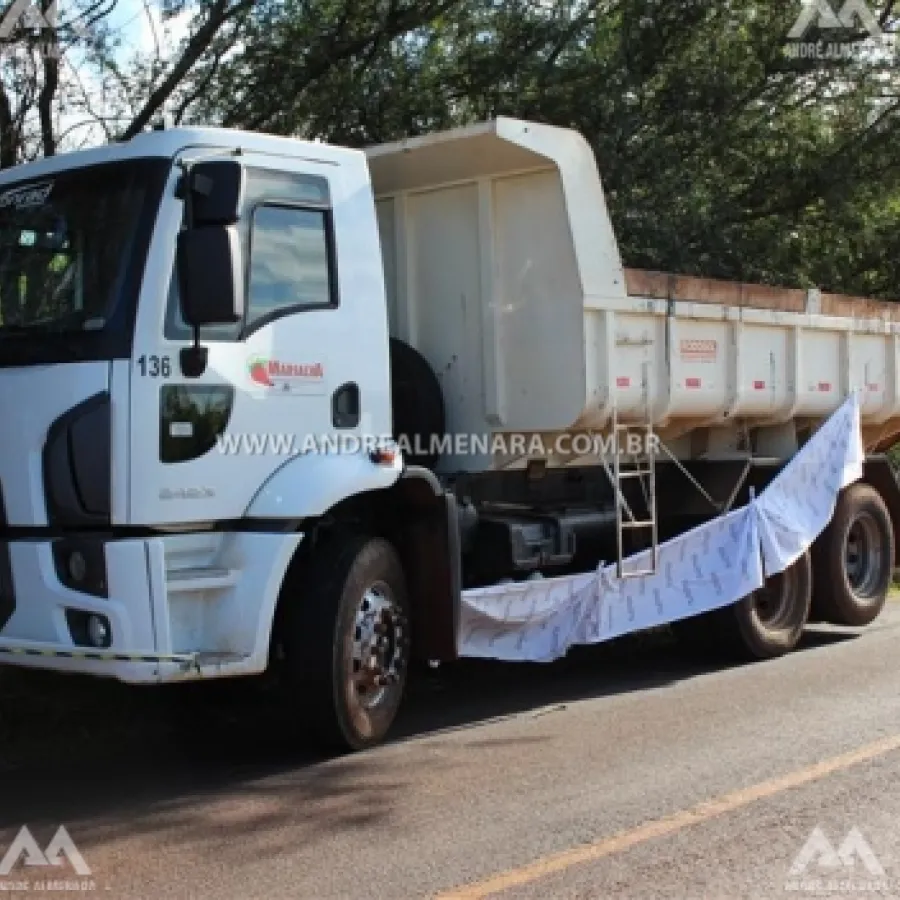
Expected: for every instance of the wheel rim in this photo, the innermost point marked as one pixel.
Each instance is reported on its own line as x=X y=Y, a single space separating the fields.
x=380 y=641
x=862 y=556
x=773 y=602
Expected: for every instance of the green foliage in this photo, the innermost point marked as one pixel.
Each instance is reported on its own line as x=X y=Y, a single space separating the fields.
x=720 y=154
x=894 y=456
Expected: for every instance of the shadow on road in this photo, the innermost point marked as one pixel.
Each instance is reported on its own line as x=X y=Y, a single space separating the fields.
x=75 y=748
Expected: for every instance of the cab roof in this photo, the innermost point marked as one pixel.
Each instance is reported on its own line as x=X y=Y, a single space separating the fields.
x=169 y=143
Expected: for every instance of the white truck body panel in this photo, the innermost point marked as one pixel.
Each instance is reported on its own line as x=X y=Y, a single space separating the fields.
x=223 y=485
x=502 y=268
x=31 y=398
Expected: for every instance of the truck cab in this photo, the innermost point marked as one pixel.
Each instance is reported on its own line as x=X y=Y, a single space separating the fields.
x=134 y=543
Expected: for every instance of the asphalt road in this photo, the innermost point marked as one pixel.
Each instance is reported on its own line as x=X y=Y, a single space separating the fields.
x=624 y=771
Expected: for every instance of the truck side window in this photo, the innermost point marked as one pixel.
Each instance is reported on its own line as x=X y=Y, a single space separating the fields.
x=288 y=247
x=290 y=261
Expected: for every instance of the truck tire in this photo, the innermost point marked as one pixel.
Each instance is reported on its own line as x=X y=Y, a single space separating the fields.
x=854 y=559
x=418 y=404
x=345 y=642
x=769 y=622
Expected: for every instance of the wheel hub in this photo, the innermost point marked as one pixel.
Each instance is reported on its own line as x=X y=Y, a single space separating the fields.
x=772 y=601
x=380 y=643
x=862 y=558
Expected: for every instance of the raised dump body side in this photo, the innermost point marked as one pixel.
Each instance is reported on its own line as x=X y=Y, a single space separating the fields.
x=503 y=270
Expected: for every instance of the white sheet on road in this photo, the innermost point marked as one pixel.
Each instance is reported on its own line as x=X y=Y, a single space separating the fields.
x=706 y=568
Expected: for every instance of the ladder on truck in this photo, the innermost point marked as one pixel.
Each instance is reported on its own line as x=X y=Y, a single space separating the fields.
x=640 y=467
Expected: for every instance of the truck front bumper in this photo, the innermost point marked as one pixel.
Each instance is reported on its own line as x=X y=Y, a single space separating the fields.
x=130 y=609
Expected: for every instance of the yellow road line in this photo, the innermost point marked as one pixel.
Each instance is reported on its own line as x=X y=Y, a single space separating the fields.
x=667 y=825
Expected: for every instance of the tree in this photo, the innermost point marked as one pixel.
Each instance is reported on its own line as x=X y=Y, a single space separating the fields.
x=721 y=154
x=297 y=50
x=65 y=80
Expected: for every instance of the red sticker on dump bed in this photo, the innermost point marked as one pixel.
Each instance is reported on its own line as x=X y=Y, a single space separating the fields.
x=692 y=382
x=825 y=386
x=622 y=381
x=759 y=385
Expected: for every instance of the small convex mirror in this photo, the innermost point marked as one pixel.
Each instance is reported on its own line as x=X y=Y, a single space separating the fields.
x=217 y=192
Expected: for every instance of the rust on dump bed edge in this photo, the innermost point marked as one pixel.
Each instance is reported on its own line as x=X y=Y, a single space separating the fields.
x=692 y=289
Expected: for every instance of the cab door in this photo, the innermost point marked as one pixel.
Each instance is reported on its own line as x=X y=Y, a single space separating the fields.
x=201 y=447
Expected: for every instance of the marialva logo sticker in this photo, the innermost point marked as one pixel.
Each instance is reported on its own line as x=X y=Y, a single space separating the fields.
x=259 y=371
x=283 y=377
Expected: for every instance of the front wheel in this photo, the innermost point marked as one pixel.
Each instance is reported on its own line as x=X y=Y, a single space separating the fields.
x=345 y=642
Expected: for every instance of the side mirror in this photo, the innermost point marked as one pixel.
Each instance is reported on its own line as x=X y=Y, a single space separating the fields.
x=210 y=271
x=210 y=276
x=216 y=189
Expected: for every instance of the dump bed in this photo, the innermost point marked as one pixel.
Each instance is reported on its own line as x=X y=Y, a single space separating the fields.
x=503 y=270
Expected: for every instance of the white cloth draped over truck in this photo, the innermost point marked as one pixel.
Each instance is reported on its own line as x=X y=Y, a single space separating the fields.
x=710 y=567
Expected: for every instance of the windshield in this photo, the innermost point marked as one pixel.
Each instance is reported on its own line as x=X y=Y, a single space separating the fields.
x=72 y=248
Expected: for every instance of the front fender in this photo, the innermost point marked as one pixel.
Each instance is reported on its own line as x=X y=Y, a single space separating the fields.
x=312 y=483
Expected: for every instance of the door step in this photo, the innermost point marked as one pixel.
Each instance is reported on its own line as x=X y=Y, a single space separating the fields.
x=201 y=579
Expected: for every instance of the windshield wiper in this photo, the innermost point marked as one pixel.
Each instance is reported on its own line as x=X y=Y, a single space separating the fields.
x=70 y=323
x=16 y=329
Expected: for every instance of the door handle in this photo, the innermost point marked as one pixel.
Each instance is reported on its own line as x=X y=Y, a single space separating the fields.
x=345 y=406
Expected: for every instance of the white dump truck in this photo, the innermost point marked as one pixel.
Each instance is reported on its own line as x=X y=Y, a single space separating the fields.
x=453 y=310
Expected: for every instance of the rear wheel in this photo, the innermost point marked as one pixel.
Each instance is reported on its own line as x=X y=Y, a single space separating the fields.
x=766 y=624
x=854 y=559
x=345 y=642
x=770 y=621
